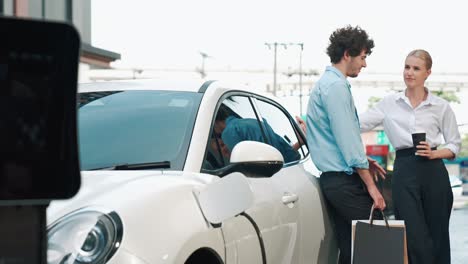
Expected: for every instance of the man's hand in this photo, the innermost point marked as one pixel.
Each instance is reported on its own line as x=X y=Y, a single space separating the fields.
x=379 y=201
x=376 y=170
x=301 y=124
x=375 y=194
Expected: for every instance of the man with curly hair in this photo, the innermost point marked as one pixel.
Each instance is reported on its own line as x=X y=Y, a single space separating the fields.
x=334 y=138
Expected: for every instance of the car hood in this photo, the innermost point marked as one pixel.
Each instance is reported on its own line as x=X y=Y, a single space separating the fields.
x=113 y=189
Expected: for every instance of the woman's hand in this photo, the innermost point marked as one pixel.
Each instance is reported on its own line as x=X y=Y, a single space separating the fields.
x=424 y=150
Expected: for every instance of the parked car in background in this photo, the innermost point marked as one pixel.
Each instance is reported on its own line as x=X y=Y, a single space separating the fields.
x=160 y=186
x=457 y=185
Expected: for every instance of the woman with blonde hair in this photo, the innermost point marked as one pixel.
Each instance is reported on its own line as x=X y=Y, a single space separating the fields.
x=421 y=190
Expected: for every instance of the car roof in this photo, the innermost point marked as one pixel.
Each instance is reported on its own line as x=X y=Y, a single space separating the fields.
x=186 y=85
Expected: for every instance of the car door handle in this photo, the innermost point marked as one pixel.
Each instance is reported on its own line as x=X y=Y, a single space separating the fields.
x=289 y=198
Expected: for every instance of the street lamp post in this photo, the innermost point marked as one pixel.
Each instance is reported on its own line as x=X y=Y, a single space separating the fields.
x=301 y=48
x=285 y=45
x=275 y=45
x=202 y=69
x=274 y=69
x=135 y=71
x=301 y=45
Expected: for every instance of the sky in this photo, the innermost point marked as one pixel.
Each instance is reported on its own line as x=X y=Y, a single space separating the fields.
x=170 y=34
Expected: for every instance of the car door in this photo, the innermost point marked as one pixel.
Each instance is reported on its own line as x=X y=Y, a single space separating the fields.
x=268 y=211
x=303 y=205
x=282 y=136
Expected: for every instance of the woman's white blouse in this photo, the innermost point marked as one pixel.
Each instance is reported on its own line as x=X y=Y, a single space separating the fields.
x=433 y=116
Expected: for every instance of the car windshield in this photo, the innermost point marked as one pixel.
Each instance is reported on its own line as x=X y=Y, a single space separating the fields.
x=135 y=127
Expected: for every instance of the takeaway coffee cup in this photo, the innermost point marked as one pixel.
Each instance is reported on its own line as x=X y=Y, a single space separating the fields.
x=418 y=137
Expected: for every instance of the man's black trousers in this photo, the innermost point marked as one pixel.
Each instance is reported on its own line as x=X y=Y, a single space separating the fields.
x=348 y=200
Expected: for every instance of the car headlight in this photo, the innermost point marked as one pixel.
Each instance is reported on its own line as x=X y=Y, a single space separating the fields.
x=85 y=236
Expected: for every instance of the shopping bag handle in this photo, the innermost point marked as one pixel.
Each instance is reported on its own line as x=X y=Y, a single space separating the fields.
x=371 y=217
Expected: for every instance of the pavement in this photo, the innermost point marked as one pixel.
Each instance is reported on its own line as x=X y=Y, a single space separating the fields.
x=459 y=230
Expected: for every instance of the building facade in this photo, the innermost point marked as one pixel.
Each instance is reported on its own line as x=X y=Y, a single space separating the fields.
x=75 y=12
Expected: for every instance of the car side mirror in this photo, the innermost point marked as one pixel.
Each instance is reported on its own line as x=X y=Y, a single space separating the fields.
x=253 y=159
x=225 y=198
x=256 y=159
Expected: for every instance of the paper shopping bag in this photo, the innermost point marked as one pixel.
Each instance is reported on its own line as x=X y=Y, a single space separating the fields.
x=378 y=241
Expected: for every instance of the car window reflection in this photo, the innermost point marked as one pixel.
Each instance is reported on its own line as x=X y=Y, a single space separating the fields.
x=230 y=128
x=135 y=127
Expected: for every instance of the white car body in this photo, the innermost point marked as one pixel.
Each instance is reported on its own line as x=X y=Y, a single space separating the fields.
x=161 y=215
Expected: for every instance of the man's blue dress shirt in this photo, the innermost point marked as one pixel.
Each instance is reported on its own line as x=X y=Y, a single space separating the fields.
x=238 y=130
x=333 y=133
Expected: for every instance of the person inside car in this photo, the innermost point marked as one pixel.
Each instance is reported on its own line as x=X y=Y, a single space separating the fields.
x=232 y=129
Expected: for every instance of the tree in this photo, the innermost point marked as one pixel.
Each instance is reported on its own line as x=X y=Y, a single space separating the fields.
x=450 y=96
x=373 y=100
x=464 y=149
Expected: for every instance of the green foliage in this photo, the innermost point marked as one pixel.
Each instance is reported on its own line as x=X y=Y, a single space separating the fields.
x=373 y=100
x=450 y=96
x=464 y=148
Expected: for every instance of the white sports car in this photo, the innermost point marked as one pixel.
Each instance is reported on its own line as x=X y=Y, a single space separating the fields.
x=163 y=182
